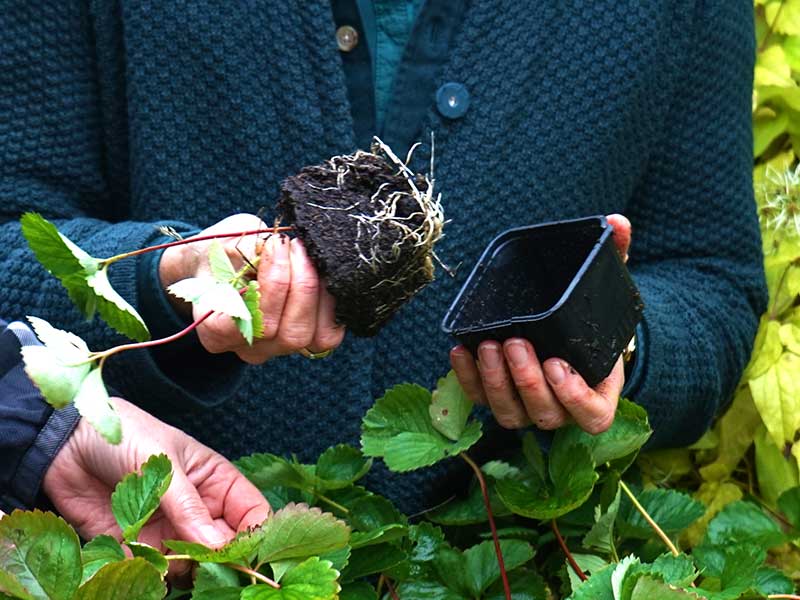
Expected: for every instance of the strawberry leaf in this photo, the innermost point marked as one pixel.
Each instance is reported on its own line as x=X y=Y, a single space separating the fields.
x=9 y=586
x=124 y=580
x=313 y=579
x=42 y=553
x=114 y=309
x=94 y=404
x=340 y=466
x=208 y=294
x=99 y=552
x=151 y=555
x=137 y=497
x=254 y=327
x=241 y=547
x=297 y=531
x=398 y=428
x=450 y=407
x=221 y=266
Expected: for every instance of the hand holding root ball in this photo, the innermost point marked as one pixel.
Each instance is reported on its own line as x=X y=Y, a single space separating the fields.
x=297 y=308
x=520 y=390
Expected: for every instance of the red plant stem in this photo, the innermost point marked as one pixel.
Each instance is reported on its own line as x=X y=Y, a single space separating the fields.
x=783 y=596
x=570 y=558
x=150 y=343
x=485 y=491
x=254 y=573
x=192 y=240
x=390 y=587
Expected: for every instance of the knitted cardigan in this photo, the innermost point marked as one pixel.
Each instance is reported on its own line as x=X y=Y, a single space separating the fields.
x=115 y=116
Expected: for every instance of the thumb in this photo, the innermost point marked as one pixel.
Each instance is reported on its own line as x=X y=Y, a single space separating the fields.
x=188 y=514
x=622 y=234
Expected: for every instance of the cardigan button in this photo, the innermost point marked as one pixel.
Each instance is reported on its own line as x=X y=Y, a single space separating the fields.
x=452 y=100
x=346 y=38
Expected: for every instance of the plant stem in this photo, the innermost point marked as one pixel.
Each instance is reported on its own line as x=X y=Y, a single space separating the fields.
x=255 y=574
x=649 y=519
x=215 y=236
x=177 y=557
x=570 y=559
x=334 y=504
x=390 y=587
x=149 y=344
x=784 y=596
x=485 y=491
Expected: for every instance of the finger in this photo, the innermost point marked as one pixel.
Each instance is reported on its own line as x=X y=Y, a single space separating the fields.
x=244 y=506
x=467 y=374
x=622 y=234
x=188 y=514
x=499 y=388
x=539 y=401
x=329 y=333
x=218 y=333
x=274 y=279
x=592 y=409
x=299 y=319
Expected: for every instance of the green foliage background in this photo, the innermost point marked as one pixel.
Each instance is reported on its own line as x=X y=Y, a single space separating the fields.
x=752 y=452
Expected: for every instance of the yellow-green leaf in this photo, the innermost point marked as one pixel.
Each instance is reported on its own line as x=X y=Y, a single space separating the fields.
x=772 y=68
x=776 y=394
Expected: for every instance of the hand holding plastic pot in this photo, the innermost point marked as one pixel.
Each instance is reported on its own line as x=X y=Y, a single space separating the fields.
x=543 y=320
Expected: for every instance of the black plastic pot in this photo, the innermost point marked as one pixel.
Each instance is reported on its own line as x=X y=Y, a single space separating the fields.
x=561 y=285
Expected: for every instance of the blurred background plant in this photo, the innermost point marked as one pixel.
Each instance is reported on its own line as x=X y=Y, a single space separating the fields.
x=753 y=451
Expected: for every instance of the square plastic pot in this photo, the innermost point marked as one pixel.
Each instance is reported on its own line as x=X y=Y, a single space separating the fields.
x=561 y=285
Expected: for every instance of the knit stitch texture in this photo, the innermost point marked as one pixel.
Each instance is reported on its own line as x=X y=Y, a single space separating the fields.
x=117 y=115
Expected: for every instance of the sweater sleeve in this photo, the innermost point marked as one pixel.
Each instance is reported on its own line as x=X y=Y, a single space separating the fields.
x=31 y=433
x=53 y=160
x=696 y=253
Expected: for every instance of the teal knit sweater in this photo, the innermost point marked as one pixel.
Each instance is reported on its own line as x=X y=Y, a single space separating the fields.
x=115 y=116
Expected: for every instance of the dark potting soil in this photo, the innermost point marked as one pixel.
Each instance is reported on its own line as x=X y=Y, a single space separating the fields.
x=354 y=215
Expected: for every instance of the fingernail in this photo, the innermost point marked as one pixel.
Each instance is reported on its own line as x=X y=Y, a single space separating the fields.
x=490 y=356
x=297 y=248
x=555 y=371
x=211 y=536
x=517 y=353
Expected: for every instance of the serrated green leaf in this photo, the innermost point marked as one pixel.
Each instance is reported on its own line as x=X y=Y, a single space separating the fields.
x=629 y=431
x=339 y=559
x=137 y=497
x=313 y=579
x=134 y=579
x=770 y=580
x=675 y=570
x=115 y=310
x=55 y=252
x=473 y=571
x=648 y=588
x=398 y=428
x=358 y=591
x=58 y=381
x=340 y=466
x=450 y=407
x=426 y=590
x=254 y=327
x=597 y=587
x=533 y=455
x=744 y=523
x=240 y=547
x=387 y=533
x=470 y=510
x=99 y=552
x=525 y=585
x=671 y=509
x=572 y=478
x=298 y=531
x=213 y=577
x=221 y=266
x=151 y=555
x=10 y=587
x=209 y=294
x=767 y=349
x=42 y=553
x=267 y=470
x=371 y=512
x=772 y=68
x=94 y=405
x=601 y=536
x=789 y=504
x=372 y=560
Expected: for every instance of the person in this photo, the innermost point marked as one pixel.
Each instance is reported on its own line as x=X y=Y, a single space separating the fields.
x=208 y=500
x=120 y=117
